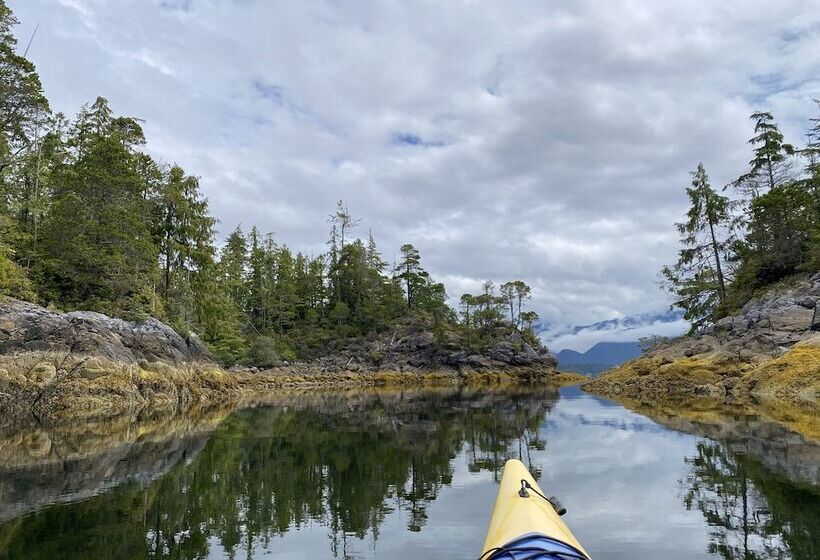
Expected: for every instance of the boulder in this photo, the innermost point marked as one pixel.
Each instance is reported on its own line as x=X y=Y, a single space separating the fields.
x=527 y=356
x=29 y=327
x=792 y=318
x=549 y=359
x=416 y=341
x=477 y=360
x=502 y=352
x=807 y=301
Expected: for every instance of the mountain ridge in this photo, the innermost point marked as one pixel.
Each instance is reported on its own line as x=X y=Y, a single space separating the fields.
x=600 y=357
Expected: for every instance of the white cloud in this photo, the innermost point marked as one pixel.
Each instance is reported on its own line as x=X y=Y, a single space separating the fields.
x=544 y=141
x=587 y=337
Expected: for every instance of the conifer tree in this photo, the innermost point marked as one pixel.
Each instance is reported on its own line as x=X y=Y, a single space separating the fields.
x=234 y=268
x=770 y=165
x=411 y=274
x=184 y=232
x=515 y=293
x=23 y=106
x=697 y=280
x=99 y=249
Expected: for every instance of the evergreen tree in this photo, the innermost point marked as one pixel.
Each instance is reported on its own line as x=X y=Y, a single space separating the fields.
x=770 y=165
x=234 y=268
x=260 y=277
x=99 y=249
x=515 y=293
x=286 y=297
x=488 y=308
x=23 y=106
x=184 y=232
x=697 y=280
x=218 y=318
x=781 y=224
x=13 y=279
x=411 y=274
x=812 y=185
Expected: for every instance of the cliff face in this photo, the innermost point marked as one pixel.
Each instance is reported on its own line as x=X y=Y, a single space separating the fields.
x=770 y=351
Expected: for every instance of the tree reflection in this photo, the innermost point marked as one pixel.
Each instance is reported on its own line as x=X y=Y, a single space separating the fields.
x=342 y=464
x=754 y=513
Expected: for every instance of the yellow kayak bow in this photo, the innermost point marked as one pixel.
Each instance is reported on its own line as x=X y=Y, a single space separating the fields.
x=525 y=523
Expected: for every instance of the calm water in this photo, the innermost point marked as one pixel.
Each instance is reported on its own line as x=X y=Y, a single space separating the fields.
x=405 y=475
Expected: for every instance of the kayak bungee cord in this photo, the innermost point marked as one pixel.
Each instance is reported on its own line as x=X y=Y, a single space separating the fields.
x=553 y=501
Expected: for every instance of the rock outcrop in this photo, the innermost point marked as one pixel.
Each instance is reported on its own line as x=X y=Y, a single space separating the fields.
x=412 y=348
x=768 y=351
x=25 y=327
x=56 y=366
x=766 y=327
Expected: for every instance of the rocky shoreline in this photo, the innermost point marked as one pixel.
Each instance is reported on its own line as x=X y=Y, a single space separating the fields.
x=768 y=355
x=56 y=366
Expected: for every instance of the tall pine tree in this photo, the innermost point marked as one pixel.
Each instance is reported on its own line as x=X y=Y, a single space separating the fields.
x=698 y=279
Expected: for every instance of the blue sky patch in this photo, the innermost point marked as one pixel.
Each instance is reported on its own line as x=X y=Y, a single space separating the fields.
x=410 y=139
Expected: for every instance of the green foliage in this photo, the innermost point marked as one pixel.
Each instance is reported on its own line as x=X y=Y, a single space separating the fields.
x=183 y=233
x=268 y=352
x=770 y=165
x=97 y=244
x=22 y=103
x=697 y=280
x=482 y=315
x=780 y=228
x=13 y=279
x=733 y=249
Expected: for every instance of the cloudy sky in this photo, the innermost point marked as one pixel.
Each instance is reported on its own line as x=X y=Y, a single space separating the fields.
x=547 y=141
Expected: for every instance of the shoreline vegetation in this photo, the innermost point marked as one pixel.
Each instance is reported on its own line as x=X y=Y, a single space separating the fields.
x=93 y=388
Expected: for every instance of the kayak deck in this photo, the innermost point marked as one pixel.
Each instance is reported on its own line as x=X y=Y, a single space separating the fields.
x=527 y=527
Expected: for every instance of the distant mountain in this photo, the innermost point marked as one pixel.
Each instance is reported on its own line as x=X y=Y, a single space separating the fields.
x=630 y=322
x=599 y=358
x=622 y=329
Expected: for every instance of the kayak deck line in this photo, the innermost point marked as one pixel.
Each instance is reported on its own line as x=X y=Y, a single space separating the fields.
x=526 y=527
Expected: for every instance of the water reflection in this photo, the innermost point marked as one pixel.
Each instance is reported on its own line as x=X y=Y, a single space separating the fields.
x=753 y=513
x=401 y=474
x=342 y=462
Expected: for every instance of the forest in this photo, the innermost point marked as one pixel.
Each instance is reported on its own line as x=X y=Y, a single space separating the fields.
x=89 y=220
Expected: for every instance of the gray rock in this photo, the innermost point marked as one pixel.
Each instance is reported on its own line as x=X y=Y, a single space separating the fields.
x=793 y=318
x=527 y=356
x=416 y=341
x=549 y=359
x=502 y=352
x=455 y=358
x=477 y=360
x=807 y=301
x=28 y=327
